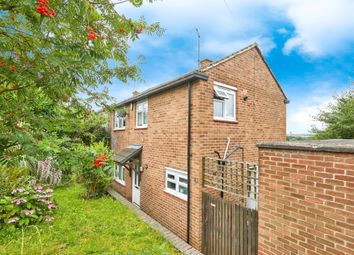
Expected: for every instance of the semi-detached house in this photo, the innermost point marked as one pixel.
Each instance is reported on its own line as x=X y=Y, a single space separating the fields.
x=160 y=135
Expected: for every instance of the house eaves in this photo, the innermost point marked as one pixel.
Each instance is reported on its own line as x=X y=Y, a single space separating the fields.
x=239 y=52
x=189 y=77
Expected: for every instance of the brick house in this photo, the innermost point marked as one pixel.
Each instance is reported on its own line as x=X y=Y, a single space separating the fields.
x=160 y=135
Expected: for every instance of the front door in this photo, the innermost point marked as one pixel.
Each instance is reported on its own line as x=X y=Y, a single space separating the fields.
x=136 y=185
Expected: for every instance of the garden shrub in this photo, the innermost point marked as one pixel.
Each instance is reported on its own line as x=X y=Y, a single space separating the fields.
x=11 y=177
x=96 y=168
x=27 y=205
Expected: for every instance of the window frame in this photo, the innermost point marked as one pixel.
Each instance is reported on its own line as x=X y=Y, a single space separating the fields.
x=177 y=175
x=116 y=120
x=137 y=112
x=118 y=178
x=218 y=86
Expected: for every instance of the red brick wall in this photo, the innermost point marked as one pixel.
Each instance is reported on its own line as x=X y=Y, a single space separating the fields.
x=306 y=202
x=260 y=118
x=164 y=145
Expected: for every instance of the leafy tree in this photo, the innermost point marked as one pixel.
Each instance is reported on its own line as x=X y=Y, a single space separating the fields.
x=54 y=57
x=338 y=118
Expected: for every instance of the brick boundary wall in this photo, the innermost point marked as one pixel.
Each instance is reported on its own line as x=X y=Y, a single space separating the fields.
x=306 y=198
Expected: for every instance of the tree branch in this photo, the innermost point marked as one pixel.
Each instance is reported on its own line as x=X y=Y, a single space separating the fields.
x=13 y=89
x=7 y=8
x=109 y=3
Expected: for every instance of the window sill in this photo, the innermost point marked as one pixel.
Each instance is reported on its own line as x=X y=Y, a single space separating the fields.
x=119 y=182
x=184 y=198
x=225 y=120
x=145 y=127
x=118 y=129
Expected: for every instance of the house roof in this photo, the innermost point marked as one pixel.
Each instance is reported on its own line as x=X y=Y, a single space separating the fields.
x=188 y=77
x=194 y=75
x=127 y=153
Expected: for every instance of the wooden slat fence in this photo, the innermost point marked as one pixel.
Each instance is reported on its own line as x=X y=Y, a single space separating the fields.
x=228 y=228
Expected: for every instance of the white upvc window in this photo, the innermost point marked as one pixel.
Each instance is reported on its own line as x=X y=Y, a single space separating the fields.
x=142 y=114
x=119 y=173
x=119 y=121
x=224 y=102
x=176 y=183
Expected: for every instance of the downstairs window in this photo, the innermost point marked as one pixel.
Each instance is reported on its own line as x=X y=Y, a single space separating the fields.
x=176 y=183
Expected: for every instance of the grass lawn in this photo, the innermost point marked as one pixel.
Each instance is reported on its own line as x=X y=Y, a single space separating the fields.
x=101 y=226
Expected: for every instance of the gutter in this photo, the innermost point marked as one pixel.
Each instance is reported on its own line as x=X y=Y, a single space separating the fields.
x=189 y=161
x=189 y=77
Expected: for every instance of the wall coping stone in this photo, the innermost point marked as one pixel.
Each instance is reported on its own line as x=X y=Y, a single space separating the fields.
x=332 y=145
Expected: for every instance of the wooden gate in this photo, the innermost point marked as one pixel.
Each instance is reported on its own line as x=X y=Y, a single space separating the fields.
x=228 y=228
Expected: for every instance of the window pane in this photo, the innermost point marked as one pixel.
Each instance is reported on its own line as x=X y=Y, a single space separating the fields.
x=140 y=118
x=121 y=173
x=220 y=93
x=171 y=185
x=183 y=190
x=145 y=118
x=115 y=119
x=170 y=176
x=183 y=180
x=218 y=108
x=230 y=106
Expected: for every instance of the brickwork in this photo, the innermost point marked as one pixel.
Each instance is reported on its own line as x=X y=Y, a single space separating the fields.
x=259 y=118
x=164 y=145
x=306 y=202
x=262 y=117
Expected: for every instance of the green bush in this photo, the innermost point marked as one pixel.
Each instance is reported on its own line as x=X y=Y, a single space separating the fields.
x=96 y=168
x=11 y=177
x=27 y=205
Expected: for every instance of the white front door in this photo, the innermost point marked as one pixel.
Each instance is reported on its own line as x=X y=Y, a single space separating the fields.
x=136 y=185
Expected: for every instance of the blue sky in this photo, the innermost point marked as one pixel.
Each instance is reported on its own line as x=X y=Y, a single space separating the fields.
x=309 y=44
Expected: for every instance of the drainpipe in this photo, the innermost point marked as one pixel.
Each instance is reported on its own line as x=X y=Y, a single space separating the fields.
x=189 y=161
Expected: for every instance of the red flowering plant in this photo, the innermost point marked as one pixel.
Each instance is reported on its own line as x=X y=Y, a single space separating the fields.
x=97 y=169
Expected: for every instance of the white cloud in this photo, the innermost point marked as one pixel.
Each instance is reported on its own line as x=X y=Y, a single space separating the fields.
x=301 y=110
x=225 y=26
x=322 y=27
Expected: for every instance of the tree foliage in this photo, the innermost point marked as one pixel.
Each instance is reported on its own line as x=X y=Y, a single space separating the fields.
x=54 y=57
x=338 y=118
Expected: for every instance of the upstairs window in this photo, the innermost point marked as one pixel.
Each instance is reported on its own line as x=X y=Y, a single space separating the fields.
x=176 y=183
x=142 y=114
x=119 y=120
x=224 y=102
x=119 y=173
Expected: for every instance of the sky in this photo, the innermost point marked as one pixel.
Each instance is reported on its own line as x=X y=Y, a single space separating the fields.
x=309 y=45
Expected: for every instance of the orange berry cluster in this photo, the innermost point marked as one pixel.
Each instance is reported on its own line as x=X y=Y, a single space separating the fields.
x=92 y=35
x=3 y=63
x=44 y=10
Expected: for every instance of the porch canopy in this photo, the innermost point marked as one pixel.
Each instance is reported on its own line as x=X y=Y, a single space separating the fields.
x=127 y=153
